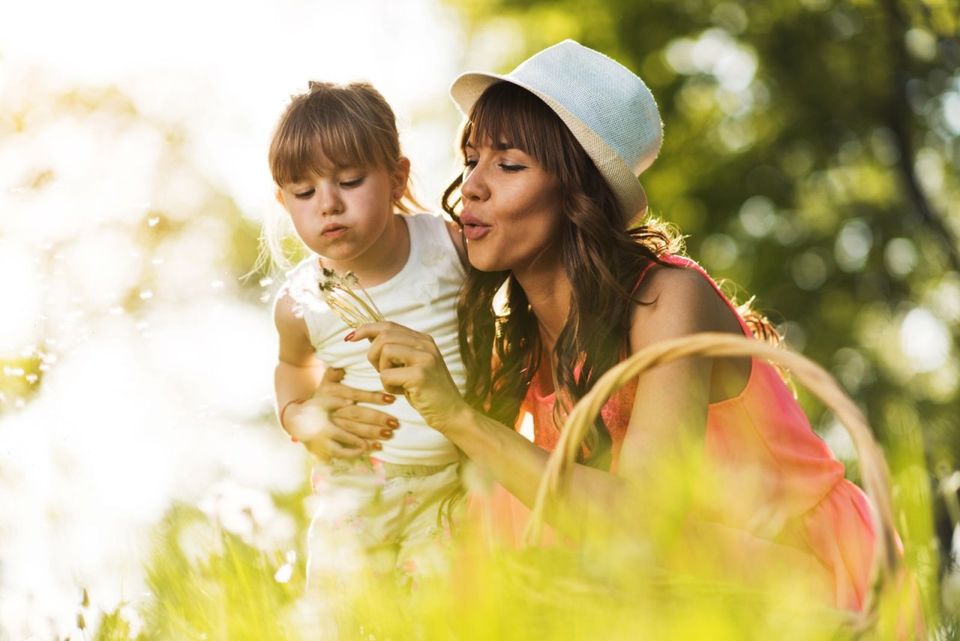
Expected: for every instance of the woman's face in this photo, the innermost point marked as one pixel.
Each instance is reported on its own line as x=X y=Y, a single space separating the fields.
x=511 y=208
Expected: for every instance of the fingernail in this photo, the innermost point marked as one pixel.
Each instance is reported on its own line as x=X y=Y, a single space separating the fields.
x=389 y=398
x=377 y=446
x=349 y=337
x=386 y=433
x=394 y=423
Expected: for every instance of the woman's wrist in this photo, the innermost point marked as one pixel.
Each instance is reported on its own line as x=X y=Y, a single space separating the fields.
x=461 y=414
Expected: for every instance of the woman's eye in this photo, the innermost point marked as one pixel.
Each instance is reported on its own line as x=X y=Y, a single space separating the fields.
x=303 y=195
x=354 y=182
x=470 y=162
x=510 y=167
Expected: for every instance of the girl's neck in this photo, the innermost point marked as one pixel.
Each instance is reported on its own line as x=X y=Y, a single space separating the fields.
x=385 y=258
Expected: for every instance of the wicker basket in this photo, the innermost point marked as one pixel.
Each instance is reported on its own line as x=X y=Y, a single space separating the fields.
x=873 y=468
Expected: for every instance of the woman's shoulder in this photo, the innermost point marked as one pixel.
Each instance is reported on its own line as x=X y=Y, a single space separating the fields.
x=679 y=296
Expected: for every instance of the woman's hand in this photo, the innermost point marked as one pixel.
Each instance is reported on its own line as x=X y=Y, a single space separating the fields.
x=331 y=424
x=411 y=364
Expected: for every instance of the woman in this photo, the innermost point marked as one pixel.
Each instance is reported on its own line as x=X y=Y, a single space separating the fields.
x=552 y=152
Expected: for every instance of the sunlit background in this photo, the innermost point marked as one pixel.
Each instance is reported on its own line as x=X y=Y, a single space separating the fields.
x=811 y=156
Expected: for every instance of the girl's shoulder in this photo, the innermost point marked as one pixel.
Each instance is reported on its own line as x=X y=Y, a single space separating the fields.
x=439 y=232
x=300 y=286
x=302 y=277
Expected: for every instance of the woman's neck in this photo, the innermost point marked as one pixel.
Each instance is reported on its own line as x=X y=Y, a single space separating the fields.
x=549 y=293
x=383 y=260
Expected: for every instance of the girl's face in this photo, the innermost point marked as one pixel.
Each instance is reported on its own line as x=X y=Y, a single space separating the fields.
x=511 y=208
x=342 y=213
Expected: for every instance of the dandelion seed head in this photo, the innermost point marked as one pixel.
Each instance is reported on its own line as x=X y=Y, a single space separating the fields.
x=284 y=573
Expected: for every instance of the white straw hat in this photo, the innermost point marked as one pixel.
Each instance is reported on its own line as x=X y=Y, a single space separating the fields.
x=609 y=110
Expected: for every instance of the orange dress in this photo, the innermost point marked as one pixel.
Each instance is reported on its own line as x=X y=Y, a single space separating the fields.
x=808 y=505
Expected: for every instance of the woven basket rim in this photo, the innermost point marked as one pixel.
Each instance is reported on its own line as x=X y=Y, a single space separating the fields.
x=874 y=472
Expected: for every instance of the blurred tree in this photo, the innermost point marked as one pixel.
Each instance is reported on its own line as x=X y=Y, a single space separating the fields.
x=811 y=156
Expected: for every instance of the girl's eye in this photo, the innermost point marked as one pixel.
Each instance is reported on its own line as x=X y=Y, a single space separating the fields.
x=510 y=167
x=470 y=162
x=303 y=195
x=355 y=182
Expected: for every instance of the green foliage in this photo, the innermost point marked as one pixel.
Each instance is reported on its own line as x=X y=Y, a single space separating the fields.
x=212 y=585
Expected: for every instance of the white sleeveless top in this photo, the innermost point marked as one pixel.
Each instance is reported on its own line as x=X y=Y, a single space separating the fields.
x=422 y=296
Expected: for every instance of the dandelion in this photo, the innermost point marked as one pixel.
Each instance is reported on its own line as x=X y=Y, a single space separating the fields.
x=348 y=299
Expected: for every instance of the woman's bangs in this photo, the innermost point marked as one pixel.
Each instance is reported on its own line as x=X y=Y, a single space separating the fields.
x=506 y=113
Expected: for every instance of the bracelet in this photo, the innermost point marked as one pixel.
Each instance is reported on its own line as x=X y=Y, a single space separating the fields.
x=284 y=409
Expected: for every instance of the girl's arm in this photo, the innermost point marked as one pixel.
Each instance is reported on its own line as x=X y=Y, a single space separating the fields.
x=313 y=406
x=668 y=418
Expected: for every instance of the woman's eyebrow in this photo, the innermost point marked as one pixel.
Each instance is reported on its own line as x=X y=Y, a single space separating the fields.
x=504 y=145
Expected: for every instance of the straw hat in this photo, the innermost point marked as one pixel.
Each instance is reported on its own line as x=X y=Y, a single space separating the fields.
x=609 y=110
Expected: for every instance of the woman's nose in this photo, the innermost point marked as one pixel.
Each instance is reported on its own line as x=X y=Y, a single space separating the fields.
x=474 y=187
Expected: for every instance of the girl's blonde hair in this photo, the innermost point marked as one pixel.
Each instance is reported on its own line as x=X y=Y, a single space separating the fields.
x=349 y=125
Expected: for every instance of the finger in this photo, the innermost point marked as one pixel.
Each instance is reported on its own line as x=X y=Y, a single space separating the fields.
x=369 y=331
x=365 y=415
x=397 y=380
x=342 y=437
x=365 y=430
x=340 y=451
x=385 y=330
x=323 y=402
x=394 y=355
x=357 y=395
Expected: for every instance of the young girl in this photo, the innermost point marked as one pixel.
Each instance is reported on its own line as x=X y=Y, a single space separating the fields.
x=335 y=157
x=552 y=152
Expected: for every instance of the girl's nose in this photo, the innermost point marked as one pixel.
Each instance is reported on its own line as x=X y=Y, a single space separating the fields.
x=329 y=202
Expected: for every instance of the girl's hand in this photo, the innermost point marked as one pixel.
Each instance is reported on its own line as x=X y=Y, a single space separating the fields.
x=331 y=424
x=411 y=364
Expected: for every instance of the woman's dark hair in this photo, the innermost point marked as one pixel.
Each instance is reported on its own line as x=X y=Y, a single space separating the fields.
x=603 y=259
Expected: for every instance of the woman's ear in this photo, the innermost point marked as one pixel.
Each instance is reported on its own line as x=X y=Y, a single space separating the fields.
x=279 y=195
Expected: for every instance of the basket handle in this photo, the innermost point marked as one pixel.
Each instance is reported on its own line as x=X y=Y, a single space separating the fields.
x=873 y=467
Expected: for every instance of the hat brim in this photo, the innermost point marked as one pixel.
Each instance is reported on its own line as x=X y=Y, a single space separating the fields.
x=467 y=88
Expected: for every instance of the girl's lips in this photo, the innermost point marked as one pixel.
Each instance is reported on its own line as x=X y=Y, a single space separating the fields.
x=334 y=231
x=475 y=232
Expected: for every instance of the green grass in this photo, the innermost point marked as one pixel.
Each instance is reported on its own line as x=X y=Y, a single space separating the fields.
x=211 y=585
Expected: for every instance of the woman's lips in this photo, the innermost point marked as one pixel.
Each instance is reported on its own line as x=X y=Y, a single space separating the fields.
x=475 y=232
x=473 y=229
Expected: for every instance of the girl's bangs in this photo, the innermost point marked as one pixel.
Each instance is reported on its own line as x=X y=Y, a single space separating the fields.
x=309 y=144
